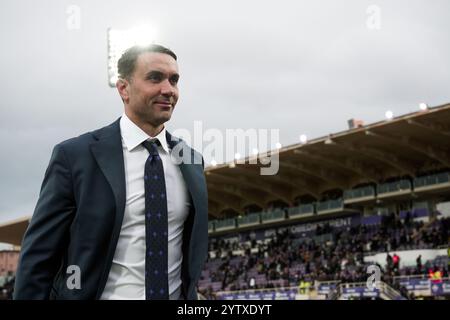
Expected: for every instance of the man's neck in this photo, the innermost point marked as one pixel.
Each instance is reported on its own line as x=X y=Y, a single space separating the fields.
x=148 y=128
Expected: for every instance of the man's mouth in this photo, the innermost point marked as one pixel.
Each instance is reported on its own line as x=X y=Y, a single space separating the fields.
x=164 y=103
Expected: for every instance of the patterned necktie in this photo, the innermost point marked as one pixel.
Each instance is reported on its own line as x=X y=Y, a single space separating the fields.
x=156 y=226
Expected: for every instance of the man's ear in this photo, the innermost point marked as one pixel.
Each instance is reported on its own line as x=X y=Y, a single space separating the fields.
x=123 y=86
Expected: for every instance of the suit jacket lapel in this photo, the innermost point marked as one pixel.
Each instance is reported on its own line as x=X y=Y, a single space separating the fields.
x=185 y=168
x=107 y=151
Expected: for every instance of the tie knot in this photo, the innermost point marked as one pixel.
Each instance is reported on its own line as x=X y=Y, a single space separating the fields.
x=152 y=146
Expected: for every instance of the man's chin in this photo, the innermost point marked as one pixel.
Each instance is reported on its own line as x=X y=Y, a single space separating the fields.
x=157 y=119
x=163 y=118
x=166 y=116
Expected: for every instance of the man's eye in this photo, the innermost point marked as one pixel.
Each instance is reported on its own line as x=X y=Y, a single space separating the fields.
x=174 y=80
x=154 y=77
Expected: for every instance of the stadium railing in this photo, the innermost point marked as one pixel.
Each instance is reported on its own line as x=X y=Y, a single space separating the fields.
x=359 y=194
x=360 y=289
x=423 y=183
x=400 y=186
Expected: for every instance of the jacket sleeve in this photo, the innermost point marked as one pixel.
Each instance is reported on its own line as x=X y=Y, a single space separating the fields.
x=47 y=235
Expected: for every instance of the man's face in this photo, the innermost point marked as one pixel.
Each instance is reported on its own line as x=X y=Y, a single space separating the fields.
x=152 y=92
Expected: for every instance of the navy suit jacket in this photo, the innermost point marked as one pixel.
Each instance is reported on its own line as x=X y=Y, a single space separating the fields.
x=79 y=215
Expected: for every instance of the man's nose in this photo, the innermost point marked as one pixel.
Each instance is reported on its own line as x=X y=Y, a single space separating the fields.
x=167 y=89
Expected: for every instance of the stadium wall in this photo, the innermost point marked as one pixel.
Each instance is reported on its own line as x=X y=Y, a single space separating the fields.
x=407 y=258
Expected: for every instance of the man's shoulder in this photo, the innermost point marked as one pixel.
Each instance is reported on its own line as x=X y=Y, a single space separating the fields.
x=83 y=139
x=86 y=139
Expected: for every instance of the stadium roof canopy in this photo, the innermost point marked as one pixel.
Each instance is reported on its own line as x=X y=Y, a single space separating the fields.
x=408 y=145
x=12 y=232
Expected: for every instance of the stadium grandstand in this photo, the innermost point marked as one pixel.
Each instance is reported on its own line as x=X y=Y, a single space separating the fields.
x=375 y=194
x=374 y=197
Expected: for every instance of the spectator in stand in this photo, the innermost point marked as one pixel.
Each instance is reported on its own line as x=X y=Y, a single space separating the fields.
x=396 y=262
x=408 y=219
x=419 y=264
x=389 y=262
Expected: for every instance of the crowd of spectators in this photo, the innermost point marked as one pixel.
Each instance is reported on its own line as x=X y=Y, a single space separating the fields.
x=338 y=255
x=331 y=254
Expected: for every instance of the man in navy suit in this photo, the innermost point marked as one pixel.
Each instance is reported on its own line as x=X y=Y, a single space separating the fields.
x=89 y=235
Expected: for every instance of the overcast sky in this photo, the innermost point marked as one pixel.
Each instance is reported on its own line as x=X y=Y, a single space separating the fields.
x=304 y=67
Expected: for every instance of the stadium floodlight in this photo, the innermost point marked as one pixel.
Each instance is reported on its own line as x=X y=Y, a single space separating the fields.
x=213 y=162
x=120 y=40
x=278 y=145
x=303 y=138
x=423 y=106
x=389 y=115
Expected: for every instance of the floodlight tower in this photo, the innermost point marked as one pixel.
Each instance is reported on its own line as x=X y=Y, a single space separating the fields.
x=120 y=40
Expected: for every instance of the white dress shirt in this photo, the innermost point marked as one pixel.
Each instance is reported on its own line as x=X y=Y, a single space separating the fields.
x=126 y=278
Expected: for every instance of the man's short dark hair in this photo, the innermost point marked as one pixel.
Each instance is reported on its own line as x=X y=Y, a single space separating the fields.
x=127 y=61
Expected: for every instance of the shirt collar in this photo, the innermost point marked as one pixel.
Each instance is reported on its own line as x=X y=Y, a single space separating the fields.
x=133 y=136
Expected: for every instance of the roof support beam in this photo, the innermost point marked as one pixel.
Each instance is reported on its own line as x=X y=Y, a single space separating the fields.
x=413 y=144
x=293 y=180
x=214 y=208
x=226 y=199
x=346 y=165
x=299 y=187
x=356 y=164
x=280 y=189
x=389 y=159
x=243 y=189
x=329 y=177
x=436 y=128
